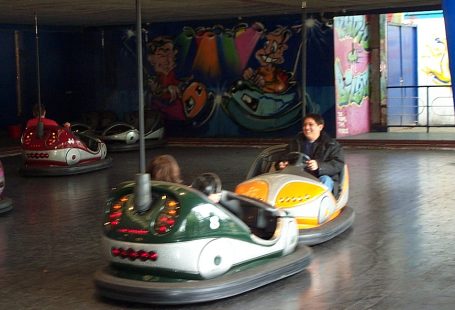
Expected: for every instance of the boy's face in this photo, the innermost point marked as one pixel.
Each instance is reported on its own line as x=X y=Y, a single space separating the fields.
x=311 y=129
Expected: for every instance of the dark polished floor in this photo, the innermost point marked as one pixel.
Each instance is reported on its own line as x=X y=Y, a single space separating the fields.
x=399 y=254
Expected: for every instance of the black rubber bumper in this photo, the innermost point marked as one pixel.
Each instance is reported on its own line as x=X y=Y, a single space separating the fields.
x=6 y=204
x=70 y=170
x=328 y=230
x=195 y=291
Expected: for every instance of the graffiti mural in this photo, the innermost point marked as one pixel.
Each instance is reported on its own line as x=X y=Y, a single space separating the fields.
x=243 y=78
x=176 y=98
x=267 y=97
x=438 y=65
x=351 y=75
x=432 y=68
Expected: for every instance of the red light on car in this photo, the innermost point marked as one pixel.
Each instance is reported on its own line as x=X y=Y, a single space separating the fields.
x=133 y=231
x=143 y=256
x=52 y=139
x=115 y=252
x=162 y=229
x=132 y=254
x=115 y=215
x=153 y=256
x=27 y=138
x=167 y=217
x=123 y=253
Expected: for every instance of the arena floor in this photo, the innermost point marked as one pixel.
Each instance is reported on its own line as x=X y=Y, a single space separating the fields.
x=397 y=255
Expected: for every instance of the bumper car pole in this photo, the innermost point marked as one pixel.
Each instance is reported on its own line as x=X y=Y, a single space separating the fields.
x=304 y=57
x=142 y=190
x=40 y=126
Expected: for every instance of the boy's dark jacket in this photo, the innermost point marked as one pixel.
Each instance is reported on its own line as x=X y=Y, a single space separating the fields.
x=326 y=151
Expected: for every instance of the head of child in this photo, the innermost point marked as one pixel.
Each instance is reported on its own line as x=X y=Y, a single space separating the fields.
x=39 y=110
x=209 y=184
x=164 y=168
x=312 y=126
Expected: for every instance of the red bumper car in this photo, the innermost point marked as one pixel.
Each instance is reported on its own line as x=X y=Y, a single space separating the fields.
x=59 y=151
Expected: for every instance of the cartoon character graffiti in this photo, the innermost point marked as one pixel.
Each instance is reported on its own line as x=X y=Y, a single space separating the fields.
x=437 y=60
x=164 y=87
x=267 y=98
x=269 y=77
x=176 y=99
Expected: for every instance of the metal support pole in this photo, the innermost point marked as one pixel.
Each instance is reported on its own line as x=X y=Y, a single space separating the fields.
x=40 y=124
x=38 y=74
x=140 y=85
x=17 y=52
x=304 y=57
x=428 y=109
x=142 y=189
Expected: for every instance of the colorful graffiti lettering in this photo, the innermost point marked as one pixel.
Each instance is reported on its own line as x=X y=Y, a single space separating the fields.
x=351 y=61
x=351 y=89
x=353 y=27
x=351 y=75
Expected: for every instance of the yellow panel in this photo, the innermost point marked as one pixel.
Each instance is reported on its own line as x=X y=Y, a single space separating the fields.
x=297 y=193
x=254 y=189
x=305 y=223
x=345 y=179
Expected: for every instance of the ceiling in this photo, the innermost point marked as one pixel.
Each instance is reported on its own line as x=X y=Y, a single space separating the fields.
x=122 y=12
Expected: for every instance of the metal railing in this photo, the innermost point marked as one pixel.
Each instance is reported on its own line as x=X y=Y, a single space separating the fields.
x=420 y=106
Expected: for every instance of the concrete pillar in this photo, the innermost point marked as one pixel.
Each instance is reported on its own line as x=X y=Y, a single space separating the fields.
x=378 y=121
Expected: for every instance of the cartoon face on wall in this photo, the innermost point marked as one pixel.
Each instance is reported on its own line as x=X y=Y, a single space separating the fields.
x=436 y=61
x=272 y=53
x=269 y=77
x=240 y=74
x=165 y=86
x=194 y=98
x=175 y=98
x=162 y=54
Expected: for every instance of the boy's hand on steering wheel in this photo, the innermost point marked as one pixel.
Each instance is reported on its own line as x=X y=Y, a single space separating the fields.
x=283 y=164
x=312 y=165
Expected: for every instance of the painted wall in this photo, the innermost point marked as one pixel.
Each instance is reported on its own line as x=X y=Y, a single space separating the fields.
x=320 y=71
x=351 y=75
x=228 y=78
x=433 y=68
